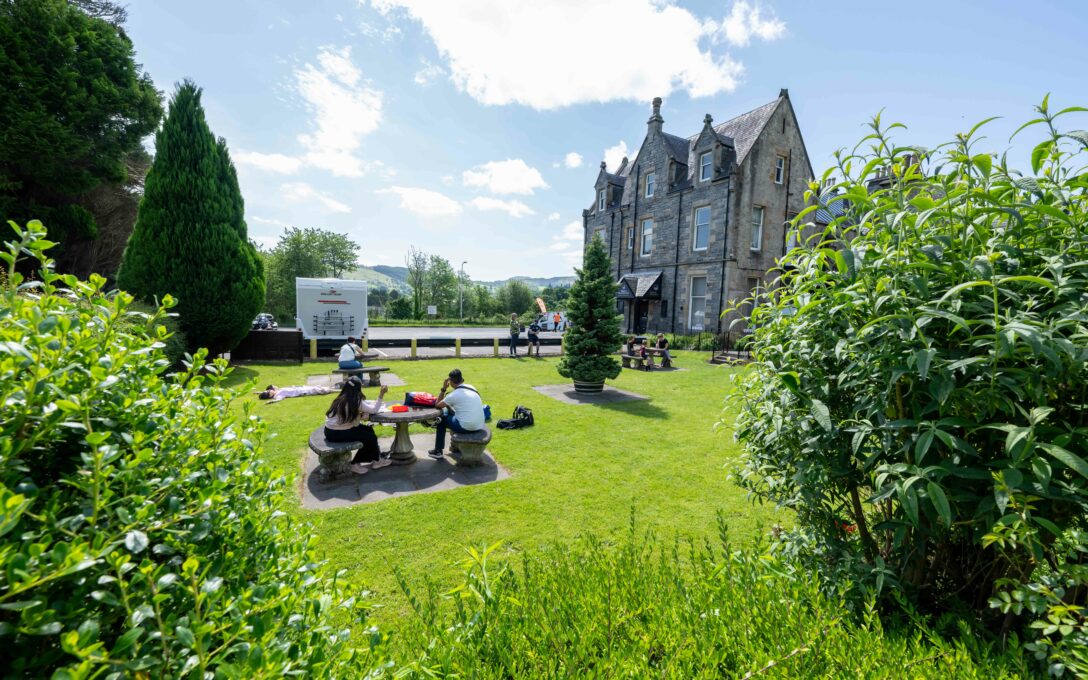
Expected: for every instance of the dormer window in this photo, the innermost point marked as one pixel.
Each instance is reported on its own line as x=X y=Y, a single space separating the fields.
x=705 y=165
x=650 y=181
x=600 y=200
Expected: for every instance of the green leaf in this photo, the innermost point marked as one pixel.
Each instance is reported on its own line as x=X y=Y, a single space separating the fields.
x=136 y=541
x=940 y=503
x=792 y=381
x=821 y=414
x=1068 y=458
x=1039 y=153
x=922 y=359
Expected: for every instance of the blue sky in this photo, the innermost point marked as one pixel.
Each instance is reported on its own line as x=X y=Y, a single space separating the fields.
x=474 y=128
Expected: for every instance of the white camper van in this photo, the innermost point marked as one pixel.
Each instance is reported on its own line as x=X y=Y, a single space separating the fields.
x=331 y=308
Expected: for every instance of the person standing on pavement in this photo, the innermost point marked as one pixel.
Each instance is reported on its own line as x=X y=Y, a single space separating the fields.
x=534 y=338
x=515 y=331
x=558 y=322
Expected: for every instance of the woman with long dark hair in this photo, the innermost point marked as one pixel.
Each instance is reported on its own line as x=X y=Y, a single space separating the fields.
x=346 y=421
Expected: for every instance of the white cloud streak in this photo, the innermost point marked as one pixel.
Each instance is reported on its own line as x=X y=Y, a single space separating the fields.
x=424 y=202
x=301 y=191
x=493 y=48
x=513 y=208
x=573 y=160
x=614 y=155
x=269 y=162
x=511 y=176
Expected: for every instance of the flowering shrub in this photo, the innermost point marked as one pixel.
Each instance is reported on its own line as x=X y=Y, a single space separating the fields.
x=922 y=374
x=141 y=534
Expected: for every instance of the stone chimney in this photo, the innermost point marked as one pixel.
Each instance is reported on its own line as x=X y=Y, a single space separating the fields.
x=623 y=164
x=653 y=126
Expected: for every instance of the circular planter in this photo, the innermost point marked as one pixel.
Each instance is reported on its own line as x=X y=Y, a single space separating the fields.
x=588 y=387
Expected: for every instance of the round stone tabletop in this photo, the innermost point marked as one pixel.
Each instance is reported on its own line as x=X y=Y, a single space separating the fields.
x=412 y=415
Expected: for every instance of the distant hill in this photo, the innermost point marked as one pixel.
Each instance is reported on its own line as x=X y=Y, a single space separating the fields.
x=396 y=278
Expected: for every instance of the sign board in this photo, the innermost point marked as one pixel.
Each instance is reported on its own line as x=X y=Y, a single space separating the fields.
x=432 y=310
x=331 y=308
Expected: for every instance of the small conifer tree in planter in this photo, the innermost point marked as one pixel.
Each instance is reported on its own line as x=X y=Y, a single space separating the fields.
x=595 y=327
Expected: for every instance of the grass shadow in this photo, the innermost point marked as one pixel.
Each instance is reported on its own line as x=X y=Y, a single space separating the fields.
x=642 y=408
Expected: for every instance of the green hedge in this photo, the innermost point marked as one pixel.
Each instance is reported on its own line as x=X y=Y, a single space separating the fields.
x=141 y=533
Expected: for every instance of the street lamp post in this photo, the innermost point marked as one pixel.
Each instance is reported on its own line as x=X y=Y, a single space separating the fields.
x=460 y=290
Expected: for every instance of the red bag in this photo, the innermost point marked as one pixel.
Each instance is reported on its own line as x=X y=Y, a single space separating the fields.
x=419 y=399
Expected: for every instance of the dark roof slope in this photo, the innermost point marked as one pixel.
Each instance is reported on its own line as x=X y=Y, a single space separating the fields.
x=745 y=128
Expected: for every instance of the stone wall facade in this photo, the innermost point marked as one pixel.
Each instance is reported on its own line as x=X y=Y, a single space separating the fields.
x=742 y=177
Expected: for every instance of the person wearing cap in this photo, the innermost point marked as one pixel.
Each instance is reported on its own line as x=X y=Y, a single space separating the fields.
x=463 y=410
x=349 y=355
x=347 y=421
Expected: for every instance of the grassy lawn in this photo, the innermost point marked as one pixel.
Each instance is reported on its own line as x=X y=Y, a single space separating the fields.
x=581 y=469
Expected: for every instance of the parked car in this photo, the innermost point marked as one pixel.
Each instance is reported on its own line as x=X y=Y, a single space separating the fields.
x=265 y=322
x=547 y=322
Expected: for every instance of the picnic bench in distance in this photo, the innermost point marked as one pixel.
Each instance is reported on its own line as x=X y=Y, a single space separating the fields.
x=636 y=361
x=335 y=457
x=373 y=373
x=471 y=446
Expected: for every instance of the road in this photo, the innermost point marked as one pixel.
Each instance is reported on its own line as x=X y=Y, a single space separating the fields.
x=432 y=332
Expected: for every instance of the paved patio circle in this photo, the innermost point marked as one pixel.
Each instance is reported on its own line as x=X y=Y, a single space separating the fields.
x=426 y=475
x=567 y=395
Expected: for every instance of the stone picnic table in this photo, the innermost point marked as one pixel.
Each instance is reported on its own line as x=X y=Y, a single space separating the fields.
x=402 y=453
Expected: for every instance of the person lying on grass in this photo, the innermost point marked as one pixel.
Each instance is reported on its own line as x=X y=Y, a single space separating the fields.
x=273 y=394
x=346 y=421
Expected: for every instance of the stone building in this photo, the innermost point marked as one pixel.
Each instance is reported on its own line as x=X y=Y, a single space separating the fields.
x=693 y=223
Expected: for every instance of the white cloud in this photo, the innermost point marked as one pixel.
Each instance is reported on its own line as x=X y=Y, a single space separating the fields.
x=552 y=217
x=301 y=191
x=493 y=48
x=271 y=162
x=345 y=108
x=571 y=232
x=513 y=208
x=264 y=220
x=265 y=242
x=428 y=74
x=424 y=201
x=614 y=155
x=746 y=21
x=573 y=160
x=511 y=176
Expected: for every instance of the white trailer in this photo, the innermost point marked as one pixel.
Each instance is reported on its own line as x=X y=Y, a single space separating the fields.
x=331 y=308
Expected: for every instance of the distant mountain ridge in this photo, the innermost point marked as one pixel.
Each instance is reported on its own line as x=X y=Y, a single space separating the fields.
x=396 y=278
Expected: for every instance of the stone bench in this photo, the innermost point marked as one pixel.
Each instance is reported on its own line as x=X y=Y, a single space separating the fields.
x=632 y=361
x=471 y=446
x=335 y=457
x=373 y=373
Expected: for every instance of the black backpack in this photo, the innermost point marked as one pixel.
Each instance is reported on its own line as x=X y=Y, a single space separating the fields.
x=523 y=417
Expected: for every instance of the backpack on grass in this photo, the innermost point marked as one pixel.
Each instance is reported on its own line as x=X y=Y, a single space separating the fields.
x=522 y=417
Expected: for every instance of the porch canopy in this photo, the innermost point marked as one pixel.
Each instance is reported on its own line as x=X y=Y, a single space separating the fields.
x=644 y=286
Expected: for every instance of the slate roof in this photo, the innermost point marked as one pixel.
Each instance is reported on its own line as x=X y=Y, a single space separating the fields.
x=678 y=146
x=639 y=284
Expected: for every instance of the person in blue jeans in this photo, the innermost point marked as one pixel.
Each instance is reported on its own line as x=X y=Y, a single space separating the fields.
x=515 y=331
x=349 y=355
x=464 y=410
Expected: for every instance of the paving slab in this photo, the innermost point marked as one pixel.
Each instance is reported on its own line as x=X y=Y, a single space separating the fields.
x=567 y=395
x=330 y=379
x=426 y=475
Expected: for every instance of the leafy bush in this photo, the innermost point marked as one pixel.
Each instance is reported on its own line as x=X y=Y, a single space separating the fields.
x=141 y=535
x=595 y=327
x=644 y=608
x=920 y=395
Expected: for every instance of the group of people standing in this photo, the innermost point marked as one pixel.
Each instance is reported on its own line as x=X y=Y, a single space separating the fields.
x=534 y=330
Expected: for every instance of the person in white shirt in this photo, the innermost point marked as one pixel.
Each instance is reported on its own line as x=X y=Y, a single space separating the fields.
x=465 y=410
x=274 y=394
x=346 y=421
x=349 y=355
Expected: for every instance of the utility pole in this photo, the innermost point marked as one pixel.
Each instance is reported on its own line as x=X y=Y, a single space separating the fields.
x=460 y=290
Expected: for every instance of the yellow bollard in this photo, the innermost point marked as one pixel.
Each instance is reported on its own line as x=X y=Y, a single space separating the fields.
x=313 y=348
x=366 y=344
x=562 y=344
x=457 y=348
x=496 y=347
x=413 y=348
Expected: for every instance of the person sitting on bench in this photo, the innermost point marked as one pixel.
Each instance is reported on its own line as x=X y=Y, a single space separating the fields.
x=466 y=410
x=346 y=421
x=663 y=345
x=349 y=355
x=274 y=394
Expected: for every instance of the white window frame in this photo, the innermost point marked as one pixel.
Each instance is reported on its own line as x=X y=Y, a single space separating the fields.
x=691 y=301
x=757 y=228
x=708 y=166
x=651 y=183
x=643 y=251
x=600 y=200
x=779 y=169
x=631 y=237
x=695 y=228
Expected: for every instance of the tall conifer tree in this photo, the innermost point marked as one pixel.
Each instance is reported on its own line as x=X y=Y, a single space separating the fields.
x=190 y=238
x=595 y=327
